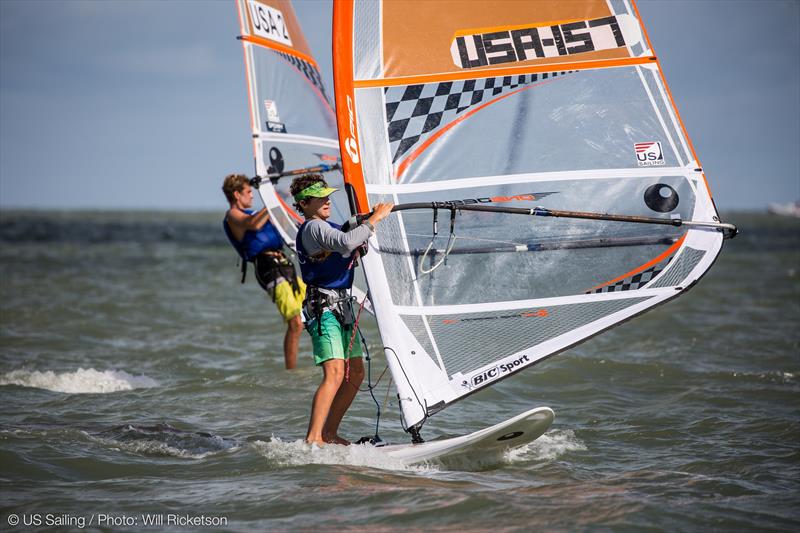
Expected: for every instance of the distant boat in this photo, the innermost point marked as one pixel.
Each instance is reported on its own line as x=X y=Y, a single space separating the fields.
x=792 y=209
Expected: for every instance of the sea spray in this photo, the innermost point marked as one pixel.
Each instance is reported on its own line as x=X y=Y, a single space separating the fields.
x=81 y=381
x=294 y=453
x=548 y=447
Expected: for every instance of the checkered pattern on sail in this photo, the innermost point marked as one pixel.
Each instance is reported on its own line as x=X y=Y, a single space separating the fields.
x=414 y=111
x=308 y=70
x=636 y=281
x=685 y=263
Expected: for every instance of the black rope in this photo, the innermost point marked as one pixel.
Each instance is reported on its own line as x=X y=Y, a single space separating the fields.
x=370 y=387
x=425 y=405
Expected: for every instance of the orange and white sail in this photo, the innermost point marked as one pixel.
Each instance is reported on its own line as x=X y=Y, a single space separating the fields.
x=541 y=108
x=293 y=123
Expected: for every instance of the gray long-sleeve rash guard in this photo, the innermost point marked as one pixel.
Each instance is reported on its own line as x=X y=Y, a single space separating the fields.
x=319 y=236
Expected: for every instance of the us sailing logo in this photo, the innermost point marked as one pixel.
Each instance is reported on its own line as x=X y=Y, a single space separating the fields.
x=274 y=123
x=649 y=154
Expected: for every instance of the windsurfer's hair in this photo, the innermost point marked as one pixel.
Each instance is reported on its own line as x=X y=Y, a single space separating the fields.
x=234 y=183
x=303 y=182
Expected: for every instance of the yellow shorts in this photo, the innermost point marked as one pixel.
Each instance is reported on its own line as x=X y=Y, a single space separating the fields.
x=288 y=302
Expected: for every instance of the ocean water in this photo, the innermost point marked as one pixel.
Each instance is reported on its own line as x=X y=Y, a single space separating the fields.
x=139 y=379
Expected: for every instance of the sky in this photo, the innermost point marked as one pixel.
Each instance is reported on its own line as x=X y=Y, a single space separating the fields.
x=143 y=104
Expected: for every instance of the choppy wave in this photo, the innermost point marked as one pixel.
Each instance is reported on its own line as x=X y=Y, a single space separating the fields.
x=163 y=440
x=82 y=381
x=549 y=446
x=294 y=453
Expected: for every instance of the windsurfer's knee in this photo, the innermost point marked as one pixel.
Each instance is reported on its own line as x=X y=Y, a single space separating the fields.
x=295 y=324
x=334 y=372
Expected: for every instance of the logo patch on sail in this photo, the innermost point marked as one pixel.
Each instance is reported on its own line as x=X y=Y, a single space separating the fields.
x=649 y=154
x=269 y=23
x=485 y=377
x=511 y=45
x=525 y=197
x=350 y=144
x=274 y=123
x=493 y=373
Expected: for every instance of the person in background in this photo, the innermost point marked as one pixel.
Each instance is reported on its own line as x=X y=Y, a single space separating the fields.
x=257 y=241
x=327 y=257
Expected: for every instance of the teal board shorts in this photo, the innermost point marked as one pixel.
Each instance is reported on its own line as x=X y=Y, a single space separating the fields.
x=334 y=340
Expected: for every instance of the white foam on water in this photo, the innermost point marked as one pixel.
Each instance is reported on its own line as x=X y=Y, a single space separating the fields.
x=772 y=376
x=82 y=381
x=549 y=446
x=298 y=452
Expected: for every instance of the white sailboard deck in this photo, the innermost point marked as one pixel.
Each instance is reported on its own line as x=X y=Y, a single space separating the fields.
x=492 y=441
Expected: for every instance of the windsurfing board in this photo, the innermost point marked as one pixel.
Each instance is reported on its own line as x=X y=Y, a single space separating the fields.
x=492 y=441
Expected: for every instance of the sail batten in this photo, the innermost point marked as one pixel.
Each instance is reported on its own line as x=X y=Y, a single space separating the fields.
x=511 y=305
x=517 y=71
x=298 y=139
x=535 y=177
x=277 y=46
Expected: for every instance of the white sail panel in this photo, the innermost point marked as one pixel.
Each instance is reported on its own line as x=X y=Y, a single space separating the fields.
x=583 y=120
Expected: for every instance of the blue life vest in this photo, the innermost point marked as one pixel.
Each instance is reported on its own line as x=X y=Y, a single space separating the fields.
x=333 y=272
x=254 y=242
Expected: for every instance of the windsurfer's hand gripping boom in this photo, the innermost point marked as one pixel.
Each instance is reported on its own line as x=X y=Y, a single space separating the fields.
x=379 y=212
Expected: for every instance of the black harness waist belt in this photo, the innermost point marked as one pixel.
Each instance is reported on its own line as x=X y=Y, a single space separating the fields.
x=337 y=301
x=273 y=269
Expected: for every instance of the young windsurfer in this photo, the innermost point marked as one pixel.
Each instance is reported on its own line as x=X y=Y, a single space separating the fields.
x=327 y=256
x=258 y=241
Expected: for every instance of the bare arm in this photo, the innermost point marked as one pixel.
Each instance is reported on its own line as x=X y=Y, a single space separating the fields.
x=239 y=221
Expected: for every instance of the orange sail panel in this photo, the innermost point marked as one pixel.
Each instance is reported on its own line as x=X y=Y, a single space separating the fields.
x=478 y=36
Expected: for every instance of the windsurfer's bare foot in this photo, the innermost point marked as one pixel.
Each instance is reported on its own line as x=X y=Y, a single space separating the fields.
x=336 y=439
